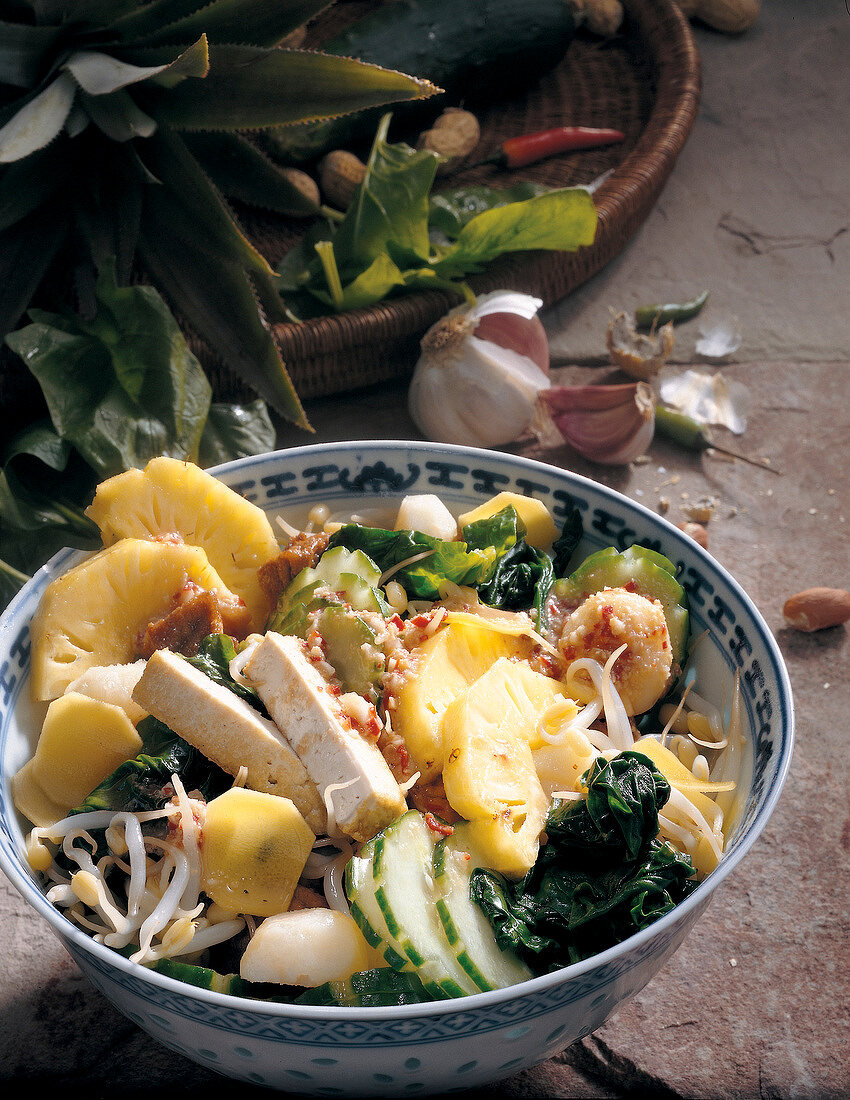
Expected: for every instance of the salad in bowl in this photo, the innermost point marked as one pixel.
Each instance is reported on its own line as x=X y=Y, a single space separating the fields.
x=391 y=747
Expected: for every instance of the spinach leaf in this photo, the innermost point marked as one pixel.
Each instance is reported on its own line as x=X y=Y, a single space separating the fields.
x=602 y=875
x=443 y=560
x=213 y=658
x=122 y=387
x=450 y=210
x=144 y=783
x=385 y=242
x=236 y=431
x=566 y=543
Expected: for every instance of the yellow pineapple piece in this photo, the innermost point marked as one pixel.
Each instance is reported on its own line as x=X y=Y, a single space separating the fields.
x=489 y=774
x=92 y=614
x=539 y=526
x=446 y=664
x=254 y=851
x=82 y=741
x=170 y=496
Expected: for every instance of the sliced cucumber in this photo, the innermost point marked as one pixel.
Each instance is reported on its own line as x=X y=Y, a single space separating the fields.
x=351 y=573
x=368 y=989
x=649 y=572
x=464 y=923
x=349 y=643
x=405 y=894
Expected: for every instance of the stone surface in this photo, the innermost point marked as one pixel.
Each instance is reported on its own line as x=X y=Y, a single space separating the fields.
x=756 y=209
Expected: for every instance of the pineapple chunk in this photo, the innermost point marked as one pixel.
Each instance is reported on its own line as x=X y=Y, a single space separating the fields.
x=489 y=774
x=174 y=497
x=92 y=614
x=539 y=526
x=82 y=741
x=447 y=663
x=255 y=846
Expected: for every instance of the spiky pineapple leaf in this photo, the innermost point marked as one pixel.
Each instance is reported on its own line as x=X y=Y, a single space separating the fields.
x=224 y=309
x=241 y=171
x=118 y=115
x=249 y=89
x=28 y=183
x=258 y=22
x=27 y=250
x=38 y=121
x=100 y=74
x=23 y=51
x=189 y=204
x=192 y=62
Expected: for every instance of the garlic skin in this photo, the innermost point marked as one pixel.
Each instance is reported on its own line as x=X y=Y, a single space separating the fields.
x=481 y=392
x=611 y=425
x=638 y=355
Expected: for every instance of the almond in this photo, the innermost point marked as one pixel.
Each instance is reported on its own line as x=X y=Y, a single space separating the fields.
x=817 y=608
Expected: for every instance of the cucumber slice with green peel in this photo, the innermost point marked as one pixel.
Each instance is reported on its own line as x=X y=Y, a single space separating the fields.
x=349 y=645
x=465 y=925
x=351 y=573
x=368 y=989
x=405 y=894
x=392 y=898
x=647 y=572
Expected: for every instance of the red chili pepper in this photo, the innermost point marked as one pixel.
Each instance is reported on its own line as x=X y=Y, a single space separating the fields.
x=516 y=152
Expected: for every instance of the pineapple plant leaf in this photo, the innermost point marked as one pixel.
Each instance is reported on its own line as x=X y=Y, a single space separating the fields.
x=100 y=102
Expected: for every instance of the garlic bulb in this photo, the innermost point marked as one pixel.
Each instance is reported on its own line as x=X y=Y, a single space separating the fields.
x=611 y=425
x=480 y=371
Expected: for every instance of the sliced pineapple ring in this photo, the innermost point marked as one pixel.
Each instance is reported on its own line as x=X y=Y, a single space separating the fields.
x=170 y=496
x=92 y=614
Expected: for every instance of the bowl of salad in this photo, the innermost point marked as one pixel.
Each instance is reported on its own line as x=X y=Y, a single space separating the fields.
x=381 y=767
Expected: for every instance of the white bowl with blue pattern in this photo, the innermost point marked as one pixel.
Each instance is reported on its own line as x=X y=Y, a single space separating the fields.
x=456 y=1045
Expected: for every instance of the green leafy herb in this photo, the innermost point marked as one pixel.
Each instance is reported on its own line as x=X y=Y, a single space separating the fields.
x=121 y=387
x=450 y=210
x=602 y=875
x=436 y=559
x=385 y=241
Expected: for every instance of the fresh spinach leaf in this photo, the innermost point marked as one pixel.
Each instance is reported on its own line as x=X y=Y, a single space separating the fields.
x=566 y=543
x=122 y=387
x=450 y=210
x=385 y=242
x=439 y=560
x=236 y=431
x=144 y=783
x=602 y=875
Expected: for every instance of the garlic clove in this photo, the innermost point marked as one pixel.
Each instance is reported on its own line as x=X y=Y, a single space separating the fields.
x=639 y=355
x=480 y=371
x=484 y=395
x=611 y=425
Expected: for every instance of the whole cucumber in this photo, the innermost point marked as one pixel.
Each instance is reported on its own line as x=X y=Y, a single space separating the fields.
x=477 y=51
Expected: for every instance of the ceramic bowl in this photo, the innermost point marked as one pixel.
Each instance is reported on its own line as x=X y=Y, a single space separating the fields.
x=454 y=1045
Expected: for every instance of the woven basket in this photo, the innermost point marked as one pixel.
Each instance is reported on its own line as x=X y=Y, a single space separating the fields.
x=645 y=81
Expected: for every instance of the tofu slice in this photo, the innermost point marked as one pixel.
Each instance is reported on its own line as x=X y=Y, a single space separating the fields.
x=334 y=753
x=228 y=731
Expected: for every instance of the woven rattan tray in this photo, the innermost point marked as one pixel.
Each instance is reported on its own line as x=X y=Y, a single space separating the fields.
x=645 y=81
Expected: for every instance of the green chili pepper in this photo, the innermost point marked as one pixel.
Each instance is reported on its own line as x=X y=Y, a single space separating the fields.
x=647 y=316
x=689 y=433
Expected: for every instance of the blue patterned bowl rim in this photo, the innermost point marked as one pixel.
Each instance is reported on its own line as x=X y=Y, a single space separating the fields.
x=575 y=484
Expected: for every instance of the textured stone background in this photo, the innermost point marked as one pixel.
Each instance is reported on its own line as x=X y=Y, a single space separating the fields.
x=757 y=1001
